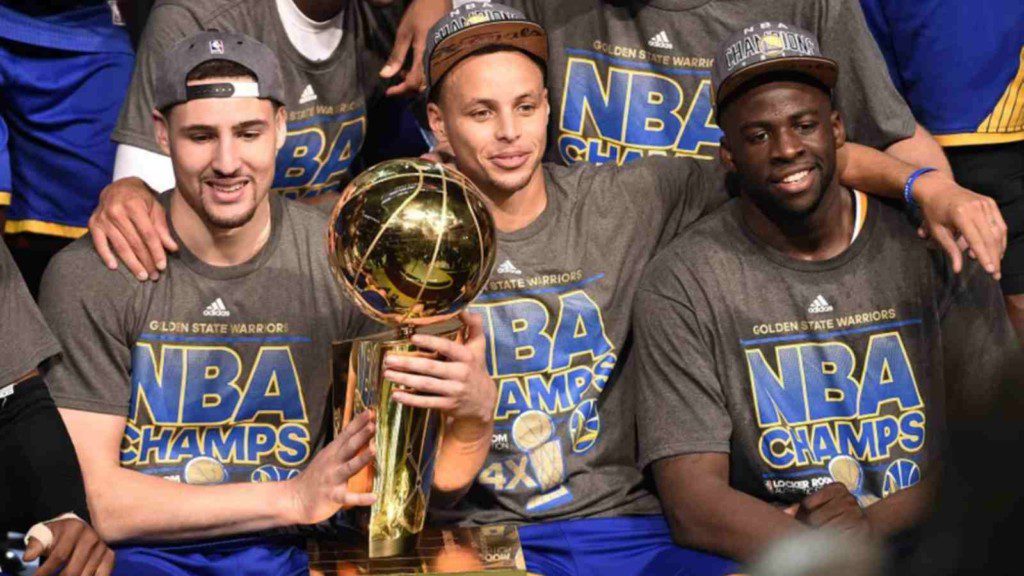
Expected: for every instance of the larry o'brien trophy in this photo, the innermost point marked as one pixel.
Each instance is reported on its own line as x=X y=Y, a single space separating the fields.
x=412 y=243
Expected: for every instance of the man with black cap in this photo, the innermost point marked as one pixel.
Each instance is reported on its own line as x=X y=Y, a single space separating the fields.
x=571 y=250
x=796 y=351
x=196 y=404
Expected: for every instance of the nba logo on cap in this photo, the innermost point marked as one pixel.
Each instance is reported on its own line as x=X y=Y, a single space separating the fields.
x=216 y=46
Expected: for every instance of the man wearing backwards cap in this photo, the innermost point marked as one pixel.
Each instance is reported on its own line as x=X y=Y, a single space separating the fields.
x=196 y=404
x=782 y=385
x=570 y=253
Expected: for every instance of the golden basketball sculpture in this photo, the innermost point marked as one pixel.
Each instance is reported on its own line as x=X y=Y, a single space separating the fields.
x=412 y=243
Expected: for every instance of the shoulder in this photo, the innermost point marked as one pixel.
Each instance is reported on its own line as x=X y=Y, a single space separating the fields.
x=206 y=13
x=701 y=251
x=77 y=275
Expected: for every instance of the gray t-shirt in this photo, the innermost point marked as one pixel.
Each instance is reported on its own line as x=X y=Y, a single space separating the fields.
x=809 y=372
x=222 y=372
x=630 y=79
x=556 y=316
x=25 y=341
x=327 y=101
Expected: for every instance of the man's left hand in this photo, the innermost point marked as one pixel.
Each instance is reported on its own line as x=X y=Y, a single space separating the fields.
x=412 y=33
x=456 y=383
x=950 y=210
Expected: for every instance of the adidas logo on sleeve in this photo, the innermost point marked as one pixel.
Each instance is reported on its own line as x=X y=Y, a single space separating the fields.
x=660 y=40
x=216 y=308
x=819 y=305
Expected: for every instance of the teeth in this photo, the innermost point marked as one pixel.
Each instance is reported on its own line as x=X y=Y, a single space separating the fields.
x=228 y=188
x=795 y=177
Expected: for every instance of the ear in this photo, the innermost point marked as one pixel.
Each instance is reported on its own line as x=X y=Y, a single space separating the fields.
x=281 y=126
x=436 y=121
x=838 y=129
x=725 y=155
x=163 y=132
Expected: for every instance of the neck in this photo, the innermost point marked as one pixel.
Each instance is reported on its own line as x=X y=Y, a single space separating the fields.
x=818 y=235
x=516 y=210
x=220 y=246
x=319 y=10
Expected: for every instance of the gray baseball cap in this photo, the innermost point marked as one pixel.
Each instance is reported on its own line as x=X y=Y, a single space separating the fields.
x=474 y=26
x=764 y=48
x=183 y=57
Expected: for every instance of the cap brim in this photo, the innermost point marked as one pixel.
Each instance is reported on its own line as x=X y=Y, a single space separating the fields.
x=521 y=34
x=825 y=70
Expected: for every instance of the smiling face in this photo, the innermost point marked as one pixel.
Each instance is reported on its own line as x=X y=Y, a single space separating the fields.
x=493 y=112
x=781 y=139
x=223 y=151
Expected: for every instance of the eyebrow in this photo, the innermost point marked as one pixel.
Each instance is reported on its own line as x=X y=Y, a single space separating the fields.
x=240 y=126
x=793 y=116
x=520 y=96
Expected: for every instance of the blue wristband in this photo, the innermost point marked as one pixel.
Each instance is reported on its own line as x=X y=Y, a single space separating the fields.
x=908 y=188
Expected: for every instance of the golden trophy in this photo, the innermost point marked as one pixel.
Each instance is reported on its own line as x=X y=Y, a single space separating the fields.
x=412 y=243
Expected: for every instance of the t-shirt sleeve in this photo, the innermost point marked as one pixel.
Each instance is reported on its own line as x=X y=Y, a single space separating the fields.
x=167 y=25
x=88 y=306
x=978 y=340
x=680 y=400
x=25 y=341
x=668 y=193
x=873 y=111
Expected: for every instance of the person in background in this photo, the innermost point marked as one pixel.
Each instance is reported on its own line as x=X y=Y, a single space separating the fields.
x=41 y=488
x=960 y=66
x=64 y=70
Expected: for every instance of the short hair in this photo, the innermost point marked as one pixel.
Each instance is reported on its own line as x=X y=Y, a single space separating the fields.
x=438 y=88
x=218 y=69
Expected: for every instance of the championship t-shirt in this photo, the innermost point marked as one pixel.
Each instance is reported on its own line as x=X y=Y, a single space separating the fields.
x=327 y=101
x=25 y=341
x=556 y=317
x=808 y=373
x=222 y=372
x=632 y=79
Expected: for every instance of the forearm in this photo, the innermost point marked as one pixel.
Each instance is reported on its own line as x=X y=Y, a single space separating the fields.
x=176 y=511
x=902 y=510
x=460 y=458
x=880 y=174
x=921 y=149
x=728 y=522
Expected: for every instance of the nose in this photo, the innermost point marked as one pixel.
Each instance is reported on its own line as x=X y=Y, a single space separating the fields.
x=227 y=160
x=787 y=145
x=508 y=129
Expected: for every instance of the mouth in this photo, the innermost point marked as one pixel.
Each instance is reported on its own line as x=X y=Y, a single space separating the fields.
x=225 y=191
x=510 y=160
x=796 y=182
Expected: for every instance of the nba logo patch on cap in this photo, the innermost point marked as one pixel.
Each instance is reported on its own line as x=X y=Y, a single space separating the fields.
x=216 y=46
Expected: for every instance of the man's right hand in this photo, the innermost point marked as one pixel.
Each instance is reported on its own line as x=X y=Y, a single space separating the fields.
x=76 y=550
x=129 y=224
x=835 y=507
x=320 y=490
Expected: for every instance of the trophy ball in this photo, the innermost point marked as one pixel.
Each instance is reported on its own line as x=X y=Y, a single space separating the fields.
x=411 y=242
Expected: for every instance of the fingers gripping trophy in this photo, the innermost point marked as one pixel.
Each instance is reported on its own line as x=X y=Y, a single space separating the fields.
x=412 y=243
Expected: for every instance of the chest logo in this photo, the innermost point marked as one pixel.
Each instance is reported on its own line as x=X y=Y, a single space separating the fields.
x=507 y=267
x=307 y=95
x=819 y=305
x=216 y=308
x=660 y=40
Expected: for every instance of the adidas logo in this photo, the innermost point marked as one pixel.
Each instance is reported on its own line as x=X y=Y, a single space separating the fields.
x=307 y=95
x=660 y=40
x=507 y=267
x=216 y=308
x=819 y=305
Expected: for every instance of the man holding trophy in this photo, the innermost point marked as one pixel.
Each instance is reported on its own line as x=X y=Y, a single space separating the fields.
x=186 y=399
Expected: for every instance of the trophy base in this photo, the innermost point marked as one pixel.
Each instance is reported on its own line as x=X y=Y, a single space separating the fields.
x=391 y=547
x=483 y=551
